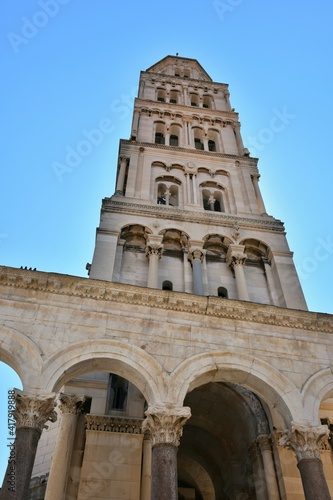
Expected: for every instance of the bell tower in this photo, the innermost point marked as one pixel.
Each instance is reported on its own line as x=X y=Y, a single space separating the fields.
x=187 y=214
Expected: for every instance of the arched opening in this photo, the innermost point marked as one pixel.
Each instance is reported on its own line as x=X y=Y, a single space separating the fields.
x=198 y=144
x=161 y=95
x=222 y=292
x=159 y=136
x=211 y=145
x=167 y=285
x=194 y=99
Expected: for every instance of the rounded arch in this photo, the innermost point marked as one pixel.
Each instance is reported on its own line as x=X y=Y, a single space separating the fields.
x=120 y=226
x=318 y=387
x=255 y=248
x=279 y=393
x=128 y=361
x=21 y=354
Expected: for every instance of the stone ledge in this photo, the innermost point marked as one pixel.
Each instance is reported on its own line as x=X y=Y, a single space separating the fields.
x=89 y=288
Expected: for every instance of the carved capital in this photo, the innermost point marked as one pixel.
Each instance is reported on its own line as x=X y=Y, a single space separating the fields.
x=165 y=425
x=264 y=443
x=154 y=249
x=34 y=411
x=197 y=253
x=255 y=177
x=70 y=403
x=236 y=255
x=304 y=440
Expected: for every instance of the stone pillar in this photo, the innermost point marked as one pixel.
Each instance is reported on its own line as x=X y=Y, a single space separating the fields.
x=236 y=259
x=196 y=257
x=70 y=407
x=260 y=201
x=153 y=251
x=188 y=187
x=145 y=493
x=138 y=178
x=31 y=414
x=239 y=141
x=166 y=427
x=270 y=473
x=258 y=471
x=195 y=189
x=211 y=202
x=121 y=175
x=305 y=442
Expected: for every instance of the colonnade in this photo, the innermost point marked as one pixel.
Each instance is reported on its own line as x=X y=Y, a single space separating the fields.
x=164 y=426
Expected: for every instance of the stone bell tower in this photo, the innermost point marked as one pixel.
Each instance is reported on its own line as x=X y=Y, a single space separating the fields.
x=187 y=214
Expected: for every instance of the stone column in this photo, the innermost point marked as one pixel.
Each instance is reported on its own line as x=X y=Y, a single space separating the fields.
x=239 y=141
x=31 y=414
x=305 y=442
x=196 y=257
x=70 y=407
x=236 y=259
x=270 y=474
x=153 y=252
x=195 y=189
x=138 y=178
x=258 y=471
x=188 y=188
x=145 y=492
x=260 y=201
x=211 y=202
x=121 y=175
x=166 y=427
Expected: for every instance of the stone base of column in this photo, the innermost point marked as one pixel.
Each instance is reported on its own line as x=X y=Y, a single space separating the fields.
x=164 y=472
x=313 y=479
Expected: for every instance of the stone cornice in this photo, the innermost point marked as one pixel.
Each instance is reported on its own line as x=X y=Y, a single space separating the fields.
x=204 y=217
x=168 y=79
x=234 y=310
x=189 y=151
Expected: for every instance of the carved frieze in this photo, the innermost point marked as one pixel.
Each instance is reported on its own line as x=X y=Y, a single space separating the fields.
x=113 y=424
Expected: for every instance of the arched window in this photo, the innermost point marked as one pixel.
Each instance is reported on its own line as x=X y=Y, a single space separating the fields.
x=167 y=192
x=212 y=200
x=161 y=94
x=159 y=138
x=222 y=292
x=173 y=140
x=173 y=97
x=194 y=99
x=198 y=144
x=167 y=285
x=211 y=145
x=207 y=102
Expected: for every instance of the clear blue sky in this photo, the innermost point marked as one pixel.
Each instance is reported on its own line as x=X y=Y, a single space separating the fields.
x=68 y=64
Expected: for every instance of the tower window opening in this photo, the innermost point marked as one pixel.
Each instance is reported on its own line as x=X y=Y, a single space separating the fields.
x=167 y=285
x=211 y=145
x=222 y=292
x=173 y=140
x=159 y=138
x=198 y=144
x=161 y=99
x=117 y=393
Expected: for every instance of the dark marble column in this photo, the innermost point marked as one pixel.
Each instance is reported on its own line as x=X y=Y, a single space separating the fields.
x=31 y=414
x=165 y=426
x=305 y=442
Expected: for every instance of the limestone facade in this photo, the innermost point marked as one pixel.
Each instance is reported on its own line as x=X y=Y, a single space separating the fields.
x=187 y=366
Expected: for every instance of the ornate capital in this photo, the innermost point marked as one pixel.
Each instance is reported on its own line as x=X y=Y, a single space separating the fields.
x=165 y=425
x=70 y=403
x=304 y=440
x=154 y=249
x=34 y=411
x=255 y=177
x=236 y=255
x=264 y=443
x=197 y=253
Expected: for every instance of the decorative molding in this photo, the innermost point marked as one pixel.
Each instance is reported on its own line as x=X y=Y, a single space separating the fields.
x=264 y=443
x=206 y=216
x=305 y=441
x=89 y=288
x=165 y=425
x=34 y=411
x=154 y=249
x=113 y=424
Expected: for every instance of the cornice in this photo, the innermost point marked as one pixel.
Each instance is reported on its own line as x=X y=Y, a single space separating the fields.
x=169 y=78
x=235 y=310
x=189 y=151
x=204 y=217
x=106 y=423
x=194 y=110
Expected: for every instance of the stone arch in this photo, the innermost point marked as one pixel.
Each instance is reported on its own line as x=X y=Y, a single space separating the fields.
x=315 y=389
x=128 y=361
x=279 y=393
x=22 y=355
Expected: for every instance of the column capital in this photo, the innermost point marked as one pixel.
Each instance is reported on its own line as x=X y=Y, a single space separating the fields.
x=165 y=425
x=70 y=403
x=304 y=440
x=264 y=442
x=34 y=411
x=154 y=249
x=255 y=177
x=236 y=255
x=196 y=253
